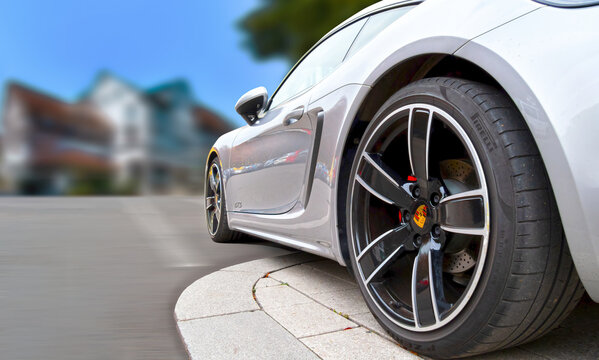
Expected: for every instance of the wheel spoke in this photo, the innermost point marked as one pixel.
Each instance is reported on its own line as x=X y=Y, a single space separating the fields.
x=419 y=127
x=378 y=255
x=428 y=299
x=209 y=202
x=463 y=213
x=212 y=180
x=217 y=183
x=381 y=181
x=435 y=270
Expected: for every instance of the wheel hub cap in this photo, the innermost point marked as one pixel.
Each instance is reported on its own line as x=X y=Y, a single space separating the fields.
x=419 y=218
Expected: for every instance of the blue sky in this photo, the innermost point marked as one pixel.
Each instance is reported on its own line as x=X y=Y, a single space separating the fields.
x=59 y=46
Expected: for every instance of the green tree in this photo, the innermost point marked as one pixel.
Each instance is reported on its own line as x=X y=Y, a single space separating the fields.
x=288 y=28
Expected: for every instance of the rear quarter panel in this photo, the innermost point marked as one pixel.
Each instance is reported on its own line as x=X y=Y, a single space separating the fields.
x=435 y=26
x=548 y=62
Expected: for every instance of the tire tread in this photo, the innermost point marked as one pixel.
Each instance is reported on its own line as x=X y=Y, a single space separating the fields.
x=549 y=287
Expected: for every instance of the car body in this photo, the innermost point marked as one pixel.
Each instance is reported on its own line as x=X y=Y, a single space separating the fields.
x=501 y=38
x=511 y=87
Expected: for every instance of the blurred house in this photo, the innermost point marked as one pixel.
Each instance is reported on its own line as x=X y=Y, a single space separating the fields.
x=143 y=141
x=48 y=145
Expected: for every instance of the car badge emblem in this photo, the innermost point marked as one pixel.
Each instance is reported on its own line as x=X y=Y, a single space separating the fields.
x=420 y=216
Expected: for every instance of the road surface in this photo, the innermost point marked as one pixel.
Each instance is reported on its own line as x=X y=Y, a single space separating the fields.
x=98 y=278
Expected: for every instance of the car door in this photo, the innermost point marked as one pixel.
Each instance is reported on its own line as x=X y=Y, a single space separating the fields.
x=270 y=158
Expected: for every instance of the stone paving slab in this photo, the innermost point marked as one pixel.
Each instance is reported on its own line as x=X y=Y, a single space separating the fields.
x=229 y=290
x=245 y=335
x=281 y=296
x=267 y=282
x=300 y=307
x=263 y=266
x=367 y=320
x=311 y=281
x=212 y=295
x=349 y=302
x=309 y=319
x=358 y=343
x=331 y=268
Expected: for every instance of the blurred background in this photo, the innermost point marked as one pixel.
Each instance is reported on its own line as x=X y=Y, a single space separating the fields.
x=125 y=98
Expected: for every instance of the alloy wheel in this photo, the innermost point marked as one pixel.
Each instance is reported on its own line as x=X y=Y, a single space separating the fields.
x=419 y=217
x=213 y=198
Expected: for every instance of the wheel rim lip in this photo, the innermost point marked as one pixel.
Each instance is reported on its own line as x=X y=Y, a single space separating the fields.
x=216 y=194
x=468 y=293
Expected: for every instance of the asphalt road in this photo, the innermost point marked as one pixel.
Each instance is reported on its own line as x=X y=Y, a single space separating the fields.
x=98 y=278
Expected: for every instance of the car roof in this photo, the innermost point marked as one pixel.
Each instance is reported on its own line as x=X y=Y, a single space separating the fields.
x=379 y=6
x=374 y=8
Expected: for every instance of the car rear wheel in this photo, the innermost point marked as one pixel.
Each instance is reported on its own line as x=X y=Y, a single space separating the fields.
x=455 y=238
x=216 y=212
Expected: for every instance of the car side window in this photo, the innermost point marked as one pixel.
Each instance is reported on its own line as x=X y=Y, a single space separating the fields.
x=318 y=64
x=375 y=24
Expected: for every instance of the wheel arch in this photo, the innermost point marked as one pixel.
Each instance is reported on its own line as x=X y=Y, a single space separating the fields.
x=221 y=150
x=392 y=80
x=491 y=70
x=211 y=155
x=568 y=188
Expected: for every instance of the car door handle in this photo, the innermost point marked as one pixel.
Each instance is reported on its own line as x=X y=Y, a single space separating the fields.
x=293 y=116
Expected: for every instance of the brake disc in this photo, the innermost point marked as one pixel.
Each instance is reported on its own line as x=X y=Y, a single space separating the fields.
x=459 y=262
x=458 y=170
x=458 y=176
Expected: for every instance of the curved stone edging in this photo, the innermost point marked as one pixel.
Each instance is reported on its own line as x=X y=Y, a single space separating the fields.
x=296 y=306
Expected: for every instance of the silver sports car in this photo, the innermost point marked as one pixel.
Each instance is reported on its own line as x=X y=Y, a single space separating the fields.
x=446 y=153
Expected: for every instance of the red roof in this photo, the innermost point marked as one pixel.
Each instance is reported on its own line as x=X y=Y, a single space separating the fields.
x=208 y=120
x=81 y=117
x=72 y=159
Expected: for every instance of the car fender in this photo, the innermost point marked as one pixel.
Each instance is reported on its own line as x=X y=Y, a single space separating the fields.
x=222 y=149
x=560 y=106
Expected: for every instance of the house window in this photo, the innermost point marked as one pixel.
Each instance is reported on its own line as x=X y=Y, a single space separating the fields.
x=132 y=136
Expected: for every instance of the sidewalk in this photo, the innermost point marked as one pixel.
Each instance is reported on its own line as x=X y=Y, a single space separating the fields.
x=301 y=306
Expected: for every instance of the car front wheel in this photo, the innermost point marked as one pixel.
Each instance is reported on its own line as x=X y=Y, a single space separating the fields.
x=216 y=211
x=455 y=238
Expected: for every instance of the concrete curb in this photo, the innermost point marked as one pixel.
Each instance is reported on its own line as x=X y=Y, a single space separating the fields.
x=300 y=306
x=296 y=306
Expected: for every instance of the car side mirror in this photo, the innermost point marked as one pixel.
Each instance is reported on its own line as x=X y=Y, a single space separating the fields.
x=250 y=104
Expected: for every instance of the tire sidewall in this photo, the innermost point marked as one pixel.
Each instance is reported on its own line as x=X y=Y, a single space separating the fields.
x=219 y=228
x=480 y=307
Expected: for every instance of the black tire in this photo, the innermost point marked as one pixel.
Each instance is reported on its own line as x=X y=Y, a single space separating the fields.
x=528 y=283
x=216 y=211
